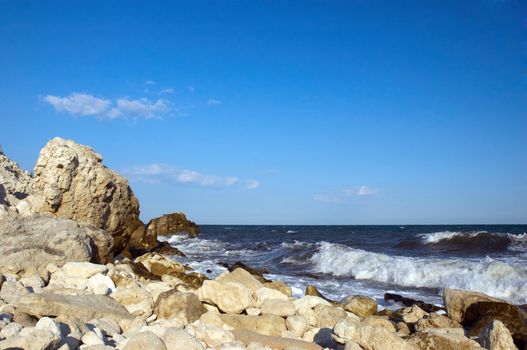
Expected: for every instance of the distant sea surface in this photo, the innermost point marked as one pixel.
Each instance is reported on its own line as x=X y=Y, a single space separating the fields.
x=415 y=261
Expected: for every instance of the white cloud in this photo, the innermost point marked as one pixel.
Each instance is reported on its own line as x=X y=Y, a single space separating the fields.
x=366 y=191
x=80 y=104
x=166 y=91
x=346 y=194
x=213 y=102
x=150 y=82
x=325 y=198
x=155 y=173
x=252 y=184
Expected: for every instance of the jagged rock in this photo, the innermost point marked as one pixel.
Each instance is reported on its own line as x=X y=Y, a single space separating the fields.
x=443 y=339
x=184 y=307
x=495 y=336
x=137 y=300
x=458 y=301
x=30 y=243
x=171 y=224
x=435 y=321
x=12 y=290
x=265 y=324
x=360 y=305
x=274 y=342
x=411 y=302
x=83 y=307
x=75 y=185
x=312 y=290
x=229 y=297
x=412 y=314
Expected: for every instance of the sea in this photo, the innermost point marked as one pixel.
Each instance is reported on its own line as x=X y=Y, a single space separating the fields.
x=414 y=261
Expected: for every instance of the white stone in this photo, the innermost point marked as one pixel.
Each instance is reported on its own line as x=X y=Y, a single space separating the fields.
x=176 y=339
x=253 y=311
x=48 y=324
x=310 y=301
x=82 y=269
x=91 y=338
x=282 y=308
x=265 y=293
x=296 y=324
x=10 y=330
x=100 y=284
x=213 y=336
x=230 y=297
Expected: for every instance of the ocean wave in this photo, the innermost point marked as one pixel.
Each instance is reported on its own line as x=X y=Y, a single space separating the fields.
x=493 y=277
x=296 y=244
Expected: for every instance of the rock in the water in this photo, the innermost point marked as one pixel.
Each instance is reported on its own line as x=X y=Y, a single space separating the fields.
x=76 y=185
x=312 y=290
x=184 y=307
x=248 y=337
x=230 y=297
x=360 y=305
x=265 y=324
x=83 y=307
x=411 y=302
x=30 y=243
x=495 y=336
x=171 y=224
x=145 y=340
x=443 y=339
x=178 y=339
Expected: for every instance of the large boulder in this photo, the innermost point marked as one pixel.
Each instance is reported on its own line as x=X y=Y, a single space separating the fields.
x=457 y=301
x=495 y=336
x=230 y=297
x=443 y=339
x=76 y=185
x=171 y=224
x=185 y=307
x=29 y=243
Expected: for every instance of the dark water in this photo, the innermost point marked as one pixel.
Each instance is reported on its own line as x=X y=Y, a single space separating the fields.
x=416 y=261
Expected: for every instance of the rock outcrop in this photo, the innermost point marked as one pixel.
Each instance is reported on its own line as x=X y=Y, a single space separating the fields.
x=171 y=224
x=76 y=185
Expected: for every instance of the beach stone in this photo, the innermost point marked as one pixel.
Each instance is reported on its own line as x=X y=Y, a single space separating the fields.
x=280 y=286
x=33 y=282
x=49 y=324
x=92 y=338
x=136 y=300
x=265 y=324
x=76 y=185
x=100 y=284
x=458 y=301
x=253 y=311
x=368 y=337
x=257 y=346
x=296 y=324
x=443 y=339
x=213 y=336
x=310 y=301
x=278 y=307
x=229 y=297
x=233 y=346
x=156 y=288
x=30 y=243
x=435 y=321
x=83 y=307
x=274 y=342
x=351 y=345
x=379 y=321
x=108 y=327
x=360 y=305
x=309 y=315
x=185 y=307
x=10 y=330
x=12 y=290
x=24 y=319
x=37 y=339
x=178 y=339
x=495 y=336
x=243 y=277
x=328 y=316
x=59 y=280
x=83 y=269
x=145 y=340
x=412 y=314
x=212 y=318
x=265 y=293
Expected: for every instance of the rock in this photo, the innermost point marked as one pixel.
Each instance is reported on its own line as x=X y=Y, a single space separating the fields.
x=273 y=342
x=243 y=277
x=278 y=307
x=312 y=290
x=368 y=337
x=24 y=319
x=443 y=339
x=10 y=330
x=36 y=340
x=328 y=316
x=265 y=324
x=177 y=339
x=280 y=286
x=360 y=305
x=297 y=325
x=265 y=293
x=495 y=336
x=91 y=338
x=156 y=288
x=171 y=224
x=185 y=307
x=30 y=243
x=12 y=290
x=33 y=282
x=136 y=300
x=379 y=321
x=145 y=340
x=212 y=336
x=212 y=318
x=458 y=301
x=82 y=269
x=412 y=314
x=351 y=345
x=83 y=307
x=435 y=321
x=253 y=311
x=75 y=185
x=48 y=324
x=309 y=302
x=100 y=285
x=411 y=302
x=230 y=297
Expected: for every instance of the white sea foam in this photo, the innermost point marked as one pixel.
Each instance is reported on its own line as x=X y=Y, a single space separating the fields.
x=501 y=279
x=296 y=244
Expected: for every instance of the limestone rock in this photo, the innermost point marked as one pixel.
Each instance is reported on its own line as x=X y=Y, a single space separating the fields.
x=100 y=285
x=82 y=269
x=412 y=314
x=75 y=185
x=185 y=307
x=38 y=339
x=328 y=316
x=458 y=301
x=229 y=297
x=211 y=335
x=309 y=302
x=30 y=243
x=265 y=324
x=171 y=224
x=443 y=339
x=495 y=336
x=12 y=290
x=379 y=321
x=243 y=277
x=278 y=307
x=435 y=321
x=297 y=325
x=178 y=339
x=145 y=340
x=136 y=300
x=368 y=337
x=280 y=286
x=83 y=307
x=360 y=305
x=10 y=330
x=274 y=342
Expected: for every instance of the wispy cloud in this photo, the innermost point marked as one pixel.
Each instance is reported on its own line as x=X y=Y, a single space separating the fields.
x=166 y=91
x=213 y=102
x=159 y=172
x=81 y=104
x=150 y=82
x=346 y=194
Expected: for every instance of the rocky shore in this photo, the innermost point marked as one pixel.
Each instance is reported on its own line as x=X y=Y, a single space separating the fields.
x=79 y=270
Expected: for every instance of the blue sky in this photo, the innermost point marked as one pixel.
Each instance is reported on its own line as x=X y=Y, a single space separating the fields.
x=298 y=112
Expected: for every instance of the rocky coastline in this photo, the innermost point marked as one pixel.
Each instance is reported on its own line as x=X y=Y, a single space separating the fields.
x=79 y=270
